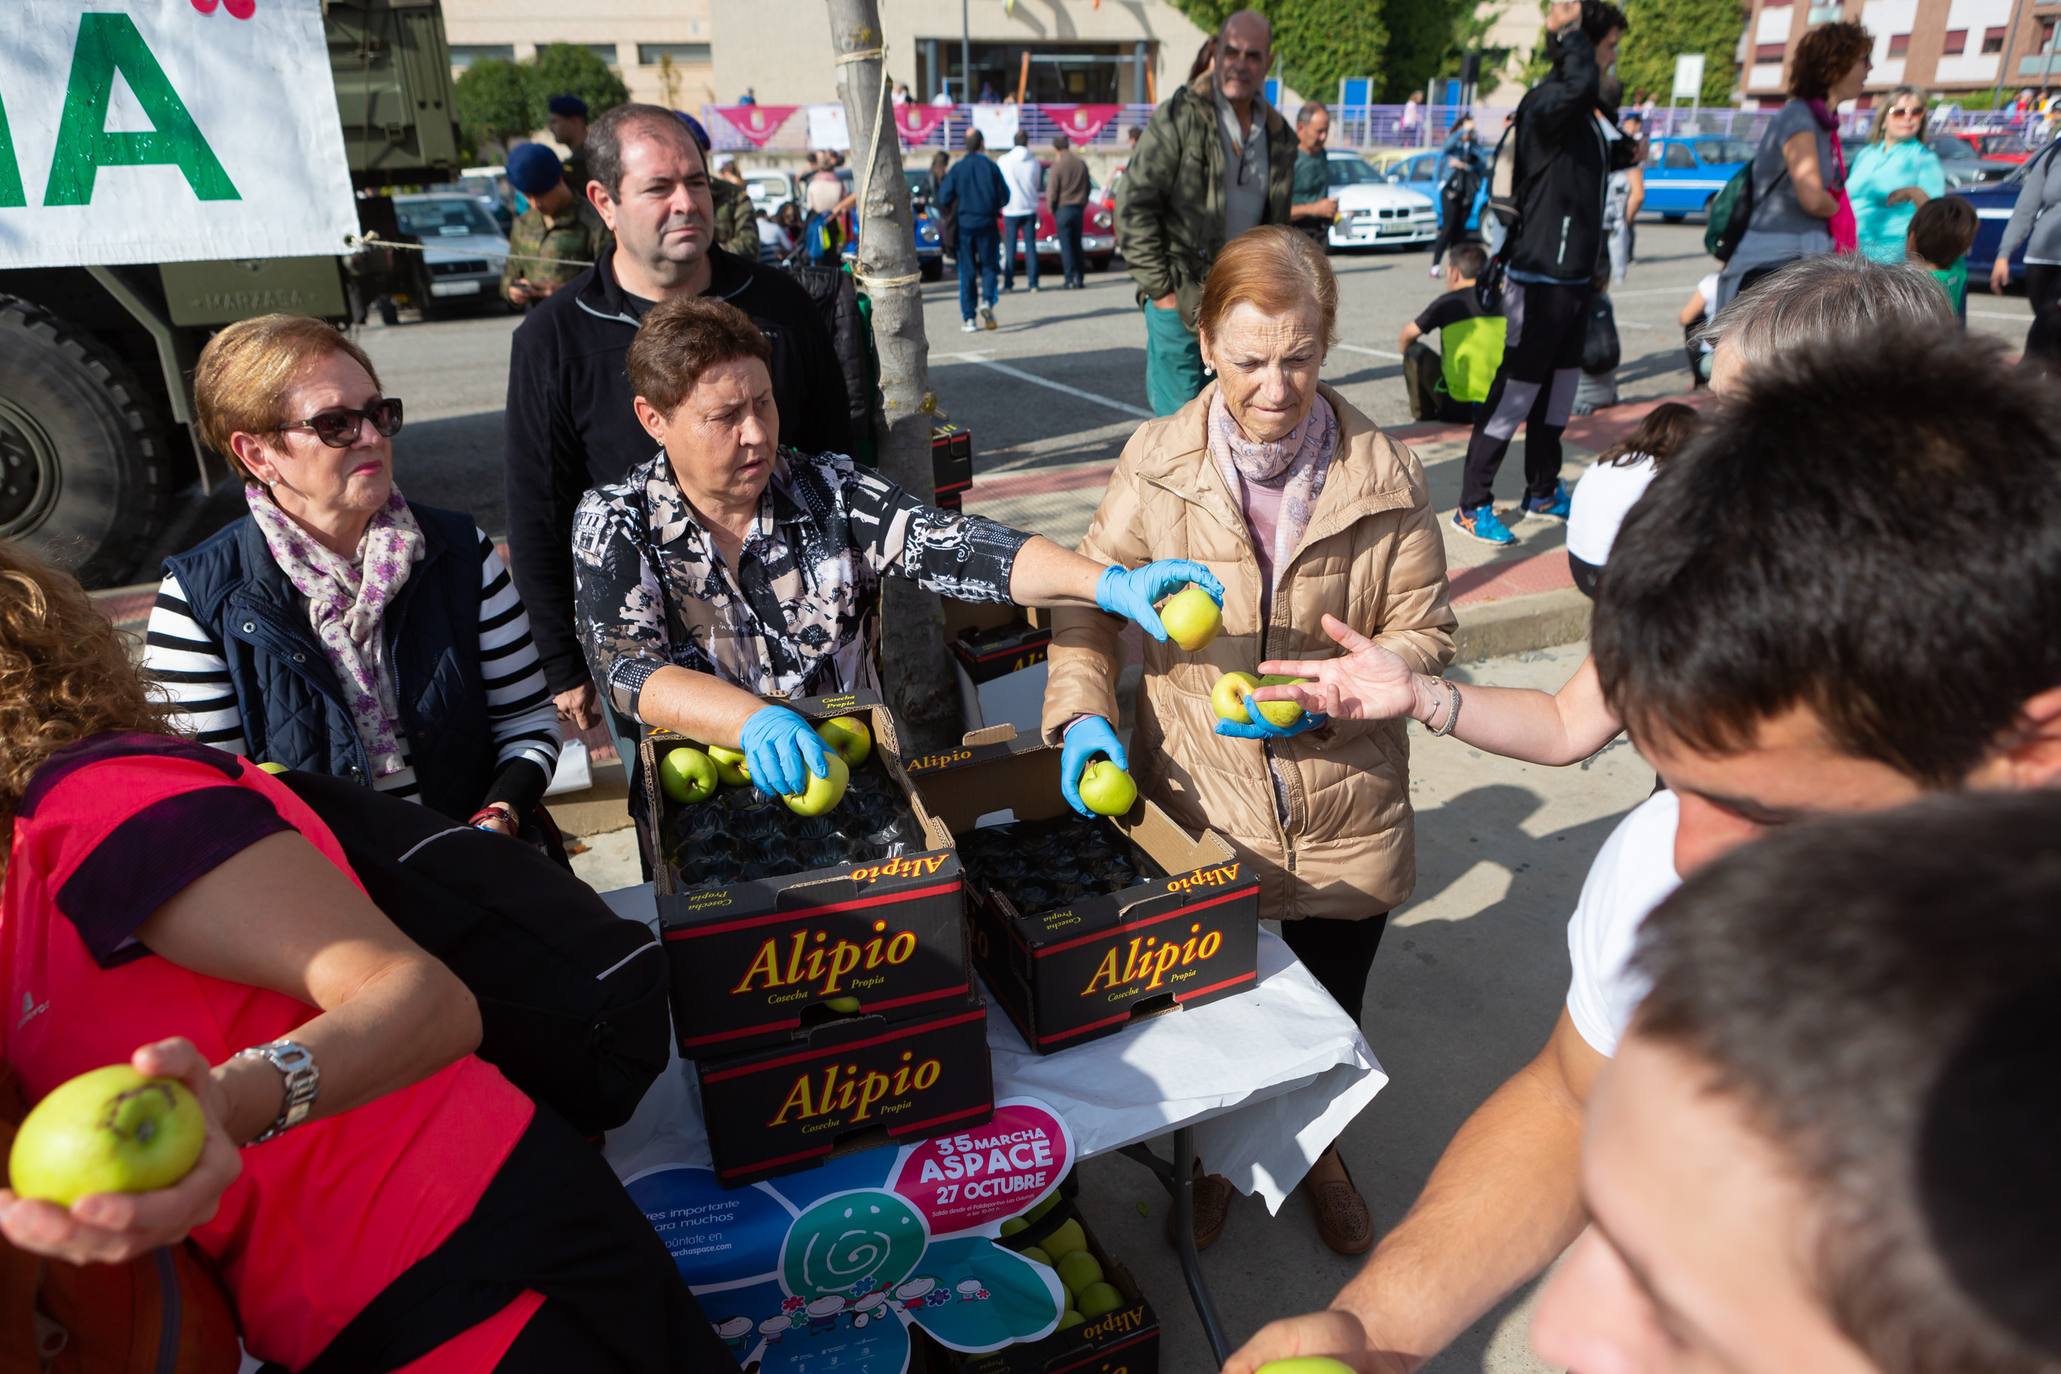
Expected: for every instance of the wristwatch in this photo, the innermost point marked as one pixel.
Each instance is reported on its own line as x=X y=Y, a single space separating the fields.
x=302 y=1080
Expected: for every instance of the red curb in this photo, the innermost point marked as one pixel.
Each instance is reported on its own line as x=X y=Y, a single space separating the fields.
x=1544 y=571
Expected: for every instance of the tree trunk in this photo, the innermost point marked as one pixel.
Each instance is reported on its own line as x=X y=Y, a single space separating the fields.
x=916 y=669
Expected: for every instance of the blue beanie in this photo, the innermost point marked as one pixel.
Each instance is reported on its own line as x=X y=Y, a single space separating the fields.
x=694 y=127
x=567 y=105
x=533 y=169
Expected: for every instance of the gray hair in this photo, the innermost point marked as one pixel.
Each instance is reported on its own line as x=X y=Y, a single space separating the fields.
x=1823 y=301
x=1310 y=108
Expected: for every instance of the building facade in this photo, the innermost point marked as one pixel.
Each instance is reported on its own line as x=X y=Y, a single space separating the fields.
x=1945 y=47
x=662 y=49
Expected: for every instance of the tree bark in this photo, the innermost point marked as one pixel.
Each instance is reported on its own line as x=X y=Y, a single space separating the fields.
x=916 y=669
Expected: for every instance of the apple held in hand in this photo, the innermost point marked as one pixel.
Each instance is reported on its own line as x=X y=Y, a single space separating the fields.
x=1307 y=1364
x=1228 y=697
x=1192 y=617
x=687 y=775
x=1107 y=789
x=1278 y=713
x=729 y=765
x=108 y=1131
x=821 y=793
x=848 y=737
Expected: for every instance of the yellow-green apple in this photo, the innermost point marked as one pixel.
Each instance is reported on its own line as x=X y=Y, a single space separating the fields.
x=1078 y=1270
x=820 y=794
x=1069 y=1319
x=730 y=765
x=1192 y=617
x=686 y=774
x=108 y=1131
x=1307 y=1364
x=271 y=767
x=848 y=736
x=1036 y=1255
x=1012 y=1225
x=1098 y=1298
x=843 y=1006
x=1107 y=789
x=1066 y=1238
x=1280 y=713
x=1228 y=697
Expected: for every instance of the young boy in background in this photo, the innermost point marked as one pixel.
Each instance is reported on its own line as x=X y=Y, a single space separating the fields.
x=1448 y=382
x=1941 y=234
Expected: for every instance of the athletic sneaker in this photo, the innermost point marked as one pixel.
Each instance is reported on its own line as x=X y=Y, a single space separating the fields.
x=1552 y=507
x=968 y=327
x=1483 y=523
x=987 y=317
x=1437 y=271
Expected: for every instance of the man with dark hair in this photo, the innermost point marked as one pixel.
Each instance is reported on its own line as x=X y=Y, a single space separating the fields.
x=1781 y=639
x=571 y=422
x=1312 y=207
x=1068 y=184
x=1565 y=146
x=566 y=117
x=1825 y=1144
x=1215 y=161
x=1449 y=382
x=1025 y=179
x=974 y=192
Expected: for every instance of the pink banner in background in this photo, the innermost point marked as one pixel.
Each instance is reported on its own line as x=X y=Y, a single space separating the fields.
x=1081 y=122
x=757 y=123
x=914 y=122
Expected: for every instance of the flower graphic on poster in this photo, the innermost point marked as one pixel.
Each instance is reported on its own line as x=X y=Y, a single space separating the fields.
x=829 y=1267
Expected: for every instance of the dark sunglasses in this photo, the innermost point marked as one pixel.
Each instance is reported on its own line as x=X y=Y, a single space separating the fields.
x=339 y=428
x=1913 y=114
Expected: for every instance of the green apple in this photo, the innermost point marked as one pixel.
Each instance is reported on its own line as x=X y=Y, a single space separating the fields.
x=1192 y=617
x=1013 y=1225
x=820 y=794
x=1107 y=789
x=1078 y=1270
x=1228 y=697
x=1033 y=1213
x=844 y=1006
x=1065 y=1239
x=271 y=767
x=730 y=766
x=1069 y=1319
x=686 y=774
x=1098 y=1298
x=1307 y=1364
x=1279 y=713
x=1036 y=1255
x=849 y=736
x=108 y=1131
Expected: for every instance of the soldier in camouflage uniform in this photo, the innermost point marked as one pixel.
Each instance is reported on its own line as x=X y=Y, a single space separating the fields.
x=556 y=238
x=737 y=223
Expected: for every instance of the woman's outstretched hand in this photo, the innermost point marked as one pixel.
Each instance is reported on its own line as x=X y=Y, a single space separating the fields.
x=1366 y=682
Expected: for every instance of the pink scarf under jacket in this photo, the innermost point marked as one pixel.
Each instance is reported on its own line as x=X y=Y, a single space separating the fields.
x=1286 y=476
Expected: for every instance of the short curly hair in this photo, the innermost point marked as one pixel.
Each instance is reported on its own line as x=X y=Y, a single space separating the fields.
x=1824 y=55
x=683 y=337
x=65 y=675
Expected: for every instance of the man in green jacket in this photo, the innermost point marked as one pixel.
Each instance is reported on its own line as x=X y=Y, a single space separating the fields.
x=1215 y=161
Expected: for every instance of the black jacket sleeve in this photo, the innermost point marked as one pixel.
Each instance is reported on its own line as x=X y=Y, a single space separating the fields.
x=545 y=475
x=827 y=420
x=1566 y=98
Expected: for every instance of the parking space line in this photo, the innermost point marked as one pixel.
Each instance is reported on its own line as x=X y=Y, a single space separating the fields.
x=1035 y=380
x=1998 y=315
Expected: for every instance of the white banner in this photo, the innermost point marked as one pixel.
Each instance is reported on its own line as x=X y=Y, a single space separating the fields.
x=997 y=125
x=827 y=128
x=1689 y=76
x=165 y=130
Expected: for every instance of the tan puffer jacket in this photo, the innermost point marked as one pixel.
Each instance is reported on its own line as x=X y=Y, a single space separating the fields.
x=1372 y=556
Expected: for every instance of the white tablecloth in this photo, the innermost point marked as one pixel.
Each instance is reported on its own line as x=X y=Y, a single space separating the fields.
x=1268 y=1079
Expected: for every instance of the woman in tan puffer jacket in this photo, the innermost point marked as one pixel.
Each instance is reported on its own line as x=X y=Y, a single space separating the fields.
x=1302 y=508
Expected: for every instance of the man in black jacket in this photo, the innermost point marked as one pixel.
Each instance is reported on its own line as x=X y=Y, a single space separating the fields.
x=571 y=422
x=1566 y=145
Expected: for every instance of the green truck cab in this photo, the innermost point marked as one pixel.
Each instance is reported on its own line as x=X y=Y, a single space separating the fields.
x=97 y=448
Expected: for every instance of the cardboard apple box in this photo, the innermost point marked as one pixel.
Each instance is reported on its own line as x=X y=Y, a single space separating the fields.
x=1090 y=967
x=757 y=962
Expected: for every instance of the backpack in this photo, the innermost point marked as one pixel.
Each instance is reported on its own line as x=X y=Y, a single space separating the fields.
x=822 y=239
x=165 y=1313
x=1731 y=212
x=572 y=997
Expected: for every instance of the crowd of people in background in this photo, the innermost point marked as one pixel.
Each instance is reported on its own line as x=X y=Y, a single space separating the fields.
x=1788 y=1117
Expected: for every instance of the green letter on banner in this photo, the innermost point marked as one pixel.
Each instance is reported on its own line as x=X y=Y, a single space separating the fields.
x=109 y=43
x=11 y=197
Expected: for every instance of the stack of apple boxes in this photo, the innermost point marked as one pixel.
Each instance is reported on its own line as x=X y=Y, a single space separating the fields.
x=829 y=1008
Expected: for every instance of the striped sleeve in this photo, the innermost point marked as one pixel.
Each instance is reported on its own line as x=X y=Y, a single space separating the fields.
x=186 y=662
x=525 y=719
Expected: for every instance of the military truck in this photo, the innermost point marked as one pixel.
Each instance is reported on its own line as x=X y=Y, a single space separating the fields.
x=97 y=446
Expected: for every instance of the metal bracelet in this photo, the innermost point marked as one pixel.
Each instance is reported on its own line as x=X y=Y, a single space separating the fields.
x=300 y=1080
x=1452 y=711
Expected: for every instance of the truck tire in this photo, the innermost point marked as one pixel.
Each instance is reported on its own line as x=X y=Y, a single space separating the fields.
x=85 y=477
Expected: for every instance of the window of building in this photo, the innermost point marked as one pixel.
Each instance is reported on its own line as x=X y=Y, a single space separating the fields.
x=1993 y=40
x=604 y=51
x=1899 y=44
x=1770 y=52
x=463 y=55
x=1956 y=42
x=683 y=54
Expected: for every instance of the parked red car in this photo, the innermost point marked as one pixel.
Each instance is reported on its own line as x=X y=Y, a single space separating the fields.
x=1098 y=231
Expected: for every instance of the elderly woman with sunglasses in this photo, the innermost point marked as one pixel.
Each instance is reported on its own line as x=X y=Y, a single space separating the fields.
x=337 y=628
x=1893 y=176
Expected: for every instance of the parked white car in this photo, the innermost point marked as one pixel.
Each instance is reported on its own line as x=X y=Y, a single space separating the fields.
x=1374 y=214
x=768 y=190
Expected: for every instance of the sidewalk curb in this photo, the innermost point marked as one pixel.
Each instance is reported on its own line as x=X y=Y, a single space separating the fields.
x=1519 y=624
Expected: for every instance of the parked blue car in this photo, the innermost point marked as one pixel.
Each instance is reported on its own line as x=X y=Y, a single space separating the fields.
x=1683 y=175
x=1421 y=174
x=1993 y=202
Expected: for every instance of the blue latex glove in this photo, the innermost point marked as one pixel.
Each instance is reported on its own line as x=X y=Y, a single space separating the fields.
x=782 y=749
x=1131 y=592
x=1085 y=739
x=1262 y=728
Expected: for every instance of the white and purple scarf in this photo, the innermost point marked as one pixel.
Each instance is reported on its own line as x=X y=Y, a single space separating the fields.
x=347 y=600
x=1294 y=466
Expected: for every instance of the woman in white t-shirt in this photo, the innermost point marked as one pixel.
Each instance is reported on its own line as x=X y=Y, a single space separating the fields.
x=1615 y=484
